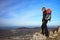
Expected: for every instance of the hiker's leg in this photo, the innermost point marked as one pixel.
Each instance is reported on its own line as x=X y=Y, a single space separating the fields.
x=46 y=29
x=42 y=27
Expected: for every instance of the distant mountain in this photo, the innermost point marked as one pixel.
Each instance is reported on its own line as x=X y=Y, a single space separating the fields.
x=23 y=28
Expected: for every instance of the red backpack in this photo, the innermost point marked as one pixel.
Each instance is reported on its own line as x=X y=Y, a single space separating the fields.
x=48 y=14
x=48 y=11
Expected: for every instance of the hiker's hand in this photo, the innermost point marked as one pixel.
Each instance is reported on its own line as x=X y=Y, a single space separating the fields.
x=50 y=19
x=43 y=21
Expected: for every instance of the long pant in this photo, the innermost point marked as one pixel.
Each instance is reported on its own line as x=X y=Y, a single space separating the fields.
x=44 y=28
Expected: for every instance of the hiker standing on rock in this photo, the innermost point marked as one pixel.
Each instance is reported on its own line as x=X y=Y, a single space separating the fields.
x=45 y=19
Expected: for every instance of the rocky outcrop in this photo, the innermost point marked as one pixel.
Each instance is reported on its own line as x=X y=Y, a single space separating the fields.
x=52 y=35
x=58 y=29
x=38 y=36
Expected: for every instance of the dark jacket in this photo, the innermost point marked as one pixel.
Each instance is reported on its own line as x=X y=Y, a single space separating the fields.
x=44 y=15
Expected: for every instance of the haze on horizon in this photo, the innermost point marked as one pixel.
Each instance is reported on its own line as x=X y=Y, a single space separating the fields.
x=27 y=12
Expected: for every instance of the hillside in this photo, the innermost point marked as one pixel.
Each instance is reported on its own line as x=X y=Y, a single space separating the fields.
x=29 y=34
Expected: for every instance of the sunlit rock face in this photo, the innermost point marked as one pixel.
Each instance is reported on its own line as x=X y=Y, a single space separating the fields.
x=38 y=36
x=51 y=32
x=55 y=32
x=59 y=30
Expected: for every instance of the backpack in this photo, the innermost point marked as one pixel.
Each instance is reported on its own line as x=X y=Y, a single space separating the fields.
x=48 y=14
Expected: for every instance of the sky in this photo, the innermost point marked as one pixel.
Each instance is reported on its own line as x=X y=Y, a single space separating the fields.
x=27 y=12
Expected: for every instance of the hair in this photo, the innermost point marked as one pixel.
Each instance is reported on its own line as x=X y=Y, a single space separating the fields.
x=43 y=8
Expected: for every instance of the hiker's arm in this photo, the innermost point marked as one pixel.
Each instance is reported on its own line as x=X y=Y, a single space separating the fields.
x=50 y=18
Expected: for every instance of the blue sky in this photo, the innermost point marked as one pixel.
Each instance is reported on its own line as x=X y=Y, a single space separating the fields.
x=27 y=12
